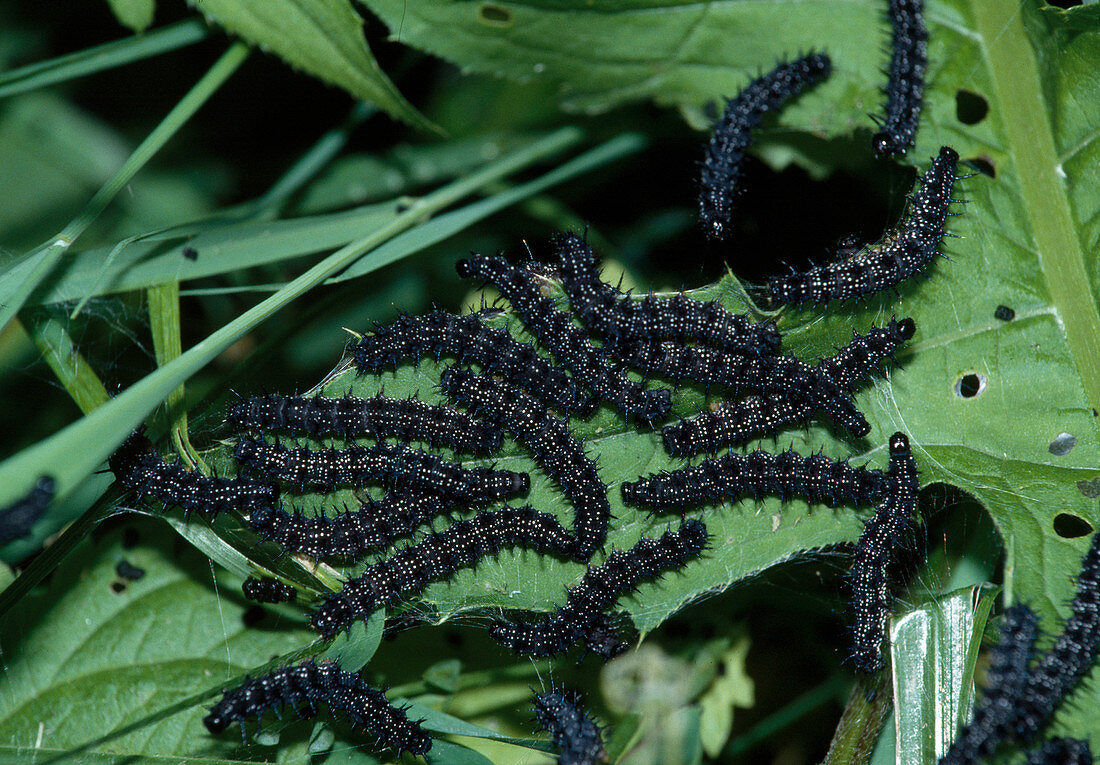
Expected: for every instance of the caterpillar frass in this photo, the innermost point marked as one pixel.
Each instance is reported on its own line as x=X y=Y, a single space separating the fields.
x=350 y=533
x=600 y=588
x=735 y=422
x=407 y=419
x=617 y=317
x=720 y=180
x=468 y=340
x=732 y=477
x=1062 y=751
x=904 y=251
x=550 y=443
x=578 y=739
x=399 y=465
x=302 y=687
x=437 y=557
x=887 y=530
x=136 y=466
x=905 y=86
x=17 y=520
x=268 y=590
x=1073 y=654
x=566 y=342
x=1005 y=681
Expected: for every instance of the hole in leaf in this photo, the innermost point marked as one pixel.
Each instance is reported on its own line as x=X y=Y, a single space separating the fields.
x=984 y=165
x=118 y=587
x=970 y=108
x=494 y=15
x=1070 y=526
x=1061 y=445
x=970 y=385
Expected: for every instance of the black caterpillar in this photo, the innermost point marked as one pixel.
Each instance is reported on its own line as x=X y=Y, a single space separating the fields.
x=1004 y=685
x=887 y=530
x=549 y=441
x=17 y=521
x=350 y=533
x=600 y=588
x=906 y=250
x=719 y=182
x=408 y=419
x=468 y=340
x=136 y=466
x=308 y=684
x=268 y=590
x=1073 y=654
x=1062 y=751
x=619 y=318
x=905 y=86
x=734 y=476
x=435 y=558
x=578 y=739
x=735 y=422
x=566 y=342
x=397 y=464
x=767 y=375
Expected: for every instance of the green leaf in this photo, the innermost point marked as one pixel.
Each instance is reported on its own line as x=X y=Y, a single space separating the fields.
x=731 y=688
x=934 y=650
x=108 y=651
x=681 y=53
x=323 y=37
x=135 y=14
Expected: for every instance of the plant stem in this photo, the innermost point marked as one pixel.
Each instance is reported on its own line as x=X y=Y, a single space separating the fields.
x=1014 y=69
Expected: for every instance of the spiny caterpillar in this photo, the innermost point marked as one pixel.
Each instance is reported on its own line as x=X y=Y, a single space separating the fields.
x=566 y=342
x=350 y=533
x=600 y=588
x=268 y=590
x=887 y=530
x=407 y=419
x=719 y=182
x=397 y=464
x=468 y=339
x=136 y=466
x=734 y=476
x=437 y=557
x=792 y=401
x=1071 y=657
x=550 y=443
x=905 y=86
x=619 y=318
x=577 y=737
x=904 y=251
x=305 y=685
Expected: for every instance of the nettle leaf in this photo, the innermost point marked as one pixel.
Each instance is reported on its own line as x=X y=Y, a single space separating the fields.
x=323 y=37
x=109 y=652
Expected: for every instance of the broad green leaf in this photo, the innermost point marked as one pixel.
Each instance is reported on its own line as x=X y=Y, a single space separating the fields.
x=323 y=37
x=681 y=53
x=135 y=14
x=109 y=651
